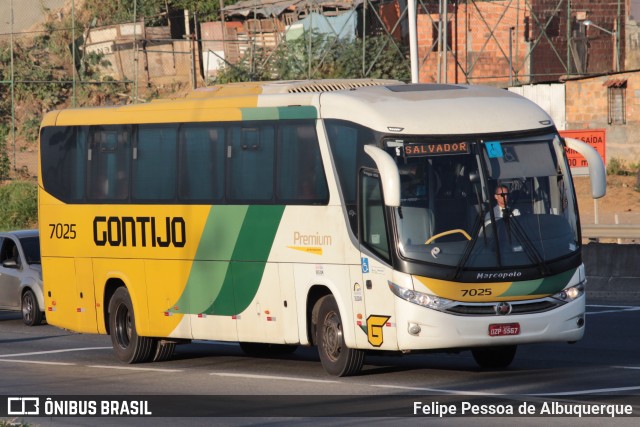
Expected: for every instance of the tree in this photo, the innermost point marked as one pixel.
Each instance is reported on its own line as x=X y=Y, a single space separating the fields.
x=155 y=12
x=318 y=56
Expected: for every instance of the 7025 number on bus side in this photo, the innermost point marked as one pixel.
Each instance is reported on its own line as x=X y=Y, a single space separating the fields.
x=63 y=231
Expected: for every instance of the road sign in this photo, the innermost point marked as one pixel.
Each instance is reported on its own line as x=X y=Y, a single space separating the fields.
x=594 y=137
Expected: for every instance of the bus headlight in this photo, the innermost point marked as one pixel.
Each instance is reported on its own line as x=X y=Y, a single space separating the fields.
x=571 y=293
x=419 y=298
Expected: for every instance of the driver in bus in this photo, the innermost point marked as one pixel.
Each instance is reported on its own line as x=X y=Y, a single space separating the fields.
x=501 y=209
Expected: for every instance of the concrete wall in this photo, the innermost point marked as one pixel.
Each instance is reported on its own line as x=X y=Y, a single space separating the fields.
x=613 y=272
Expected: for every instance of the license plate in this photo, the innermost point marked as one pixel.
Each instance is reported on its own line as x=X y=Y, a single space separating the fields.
x=502 y=329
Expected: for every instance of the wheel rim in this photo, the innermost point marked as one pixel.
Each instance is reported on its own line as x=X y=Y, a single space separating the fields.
x=27 y=307
x=124 y=326
x=332 y=336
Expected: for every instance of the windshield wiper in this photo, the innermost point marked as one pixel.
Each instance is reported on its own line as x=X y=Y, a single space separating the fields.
x=523 y=238
x=469 y=247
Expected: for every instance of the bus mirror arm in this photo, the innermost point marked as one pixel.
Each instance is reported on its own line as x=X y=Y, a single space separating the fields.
x=389 y=174
x=597 y=173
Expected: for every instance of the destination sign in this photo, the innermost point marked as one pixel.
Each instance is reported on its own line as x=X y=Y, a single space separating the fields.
x=435 y=149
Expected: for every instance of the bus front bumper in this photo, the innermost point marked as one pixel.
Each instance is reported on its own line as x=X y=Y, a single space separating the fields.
x=420 y=328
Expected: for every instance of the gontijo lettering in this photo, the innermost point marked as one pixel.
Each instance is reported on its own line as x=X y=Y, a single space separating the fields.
x=139 y=231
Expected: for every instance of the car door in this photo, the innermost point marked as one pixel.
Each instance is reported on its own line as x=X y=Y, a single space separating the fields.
x=9 y=275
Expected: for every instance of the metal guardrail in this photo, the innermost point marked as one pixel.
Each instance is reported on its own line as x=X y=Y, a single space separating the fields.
x=611 y=231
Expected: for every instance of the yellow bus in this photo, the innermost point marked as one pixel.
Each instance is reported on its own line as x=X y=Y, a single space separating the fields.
x=352 y=215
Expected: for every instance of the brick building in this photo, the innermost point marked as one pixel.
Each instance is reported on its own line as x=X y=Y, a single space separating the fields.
x=610 y=102
x=520 y=41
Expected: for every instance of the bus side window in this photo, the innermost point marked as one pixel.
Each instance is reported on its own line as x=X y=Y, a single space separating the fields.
x=300 y=172
x=374 y=230
x=251 y=163
x=202 y=162
x=108 y=169
x=154 y=173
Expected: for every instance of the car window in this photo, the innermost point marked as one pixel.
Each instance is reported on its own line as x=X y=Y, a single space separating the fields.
x=9 y=251
x=31 y=249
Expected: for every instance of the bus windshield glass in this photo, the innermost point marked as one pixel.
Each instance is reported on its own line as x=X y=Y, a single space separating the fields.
x=485 y=203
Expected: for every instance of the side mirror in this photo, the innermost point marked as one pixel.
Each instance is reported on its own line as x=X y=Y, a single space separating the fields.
x=9 y=263
x=597 y=172
x=389 y=174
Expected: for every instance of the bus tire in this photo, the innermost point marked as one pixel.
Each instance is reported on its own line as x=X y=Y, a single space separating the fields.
x=494 y=357
x=31 y=314
x=163 y=350
x=128 y=346
x=337 y=359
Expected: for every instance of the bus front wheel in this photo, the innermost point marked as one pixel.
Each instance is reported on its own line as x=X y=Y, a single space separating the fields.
x=128 y=346
x=336 y=357
x=494 y=357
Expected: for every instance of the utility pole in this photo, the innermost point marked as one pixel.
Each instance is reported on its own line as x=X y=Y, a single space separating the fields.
x=445 y=38
x=413 y=41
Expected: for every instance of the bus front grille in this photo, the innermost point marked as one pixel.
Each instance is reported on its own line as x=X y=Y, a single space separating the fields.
x=519 y=307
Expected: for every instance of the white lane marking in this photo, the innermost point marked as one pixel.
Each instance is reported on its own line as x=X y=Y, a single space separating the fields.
x=36 y=353
x=272 y=377
x=131 y=368
x=479 y=393
x=626 y=367
x=612 y=308
x=438 y=390
x=592 y=391
x=623 y=310
x=37 y=363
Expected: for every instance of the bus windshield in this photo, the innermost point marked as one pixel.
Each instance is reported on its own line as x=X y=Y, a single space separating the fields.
x=485 y=204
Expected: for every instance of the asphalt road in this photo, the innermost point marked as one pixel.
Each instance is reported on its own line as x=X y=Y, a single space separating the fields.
x=604 y=367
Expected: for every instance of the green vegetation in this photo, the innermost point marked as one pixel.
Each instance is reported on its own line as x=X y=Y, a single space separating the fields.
x=154 y=12
x=616 y=166
x=330 y=58
x=13 y=423
x=4 y=158
x=18 y=205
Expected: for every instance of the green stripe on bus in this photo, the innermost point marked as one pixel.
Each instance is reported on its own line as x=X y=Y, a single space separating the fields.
x=249 y=260
x=210 y=268
x=554 y=284
x=547 y=285
x=254 y=245
x=275 y=113
x=230 y=260
x=306 y=112
x=266 y=113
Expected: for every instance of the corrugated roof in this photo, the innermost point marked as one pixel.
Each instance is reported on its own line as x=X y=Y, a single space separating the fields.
x=276 y=7
x=615 y=83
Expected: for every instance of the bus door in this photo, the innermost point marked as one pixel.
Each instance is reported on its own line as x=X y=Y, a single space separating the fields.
x=379 y=318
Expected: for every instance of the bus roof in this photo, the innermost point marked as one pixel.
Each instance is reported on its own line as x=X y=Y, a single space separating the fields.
x=436 y=109
x=383 y=105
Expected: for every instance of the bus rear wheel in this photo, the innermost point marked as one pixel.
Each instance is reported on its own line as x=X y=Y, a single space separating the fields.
x=128 y=346
x=494 y=357
x=337 y=359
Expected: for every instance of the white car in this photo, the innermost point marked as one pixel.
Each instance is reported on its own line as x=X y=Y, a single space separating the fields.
x=21 y=275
